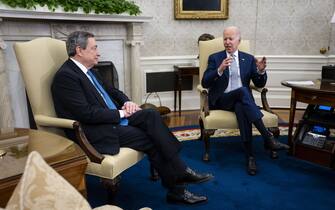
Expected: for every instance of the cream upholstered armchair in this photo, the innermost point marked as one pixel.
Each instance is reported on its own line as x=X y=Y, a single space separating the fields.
x=211 y=120
x=39 y=60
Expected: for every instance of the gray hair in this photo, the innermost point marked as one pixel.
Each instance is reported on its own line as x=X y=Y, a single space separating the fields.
x=75 y=39
x=234 y=28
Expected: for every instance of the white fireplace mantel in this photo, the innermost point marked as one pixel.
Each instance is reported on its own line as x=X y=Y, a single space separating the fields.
x=119 y=38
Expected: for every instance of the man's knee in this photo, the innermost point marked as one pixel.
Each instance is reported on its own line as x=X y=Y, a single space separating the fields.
x=244 y=91
x=151 y=113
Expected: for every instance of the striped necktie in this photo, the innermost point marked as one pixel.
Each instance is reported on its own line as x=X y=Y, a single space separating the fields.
x=106 y=97
x=234 y=83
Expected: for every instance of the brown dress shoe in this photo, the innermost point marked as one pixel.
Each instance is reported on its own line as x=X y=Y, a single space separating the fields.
x=251 y=166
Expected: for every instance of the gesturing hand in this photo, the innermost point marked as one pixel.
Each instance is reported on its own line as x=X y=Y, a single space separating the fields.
x=226 y=62
x=261 y=64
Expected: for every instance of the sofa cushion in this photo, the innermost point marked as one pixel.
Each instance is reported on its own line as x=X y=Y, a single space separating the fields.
x=41 y=187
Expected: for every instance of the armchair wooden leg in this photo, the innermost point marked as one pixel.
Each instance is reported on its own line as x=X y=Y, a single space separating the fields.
x=112 y=186
x=206 y=135
x=201 y=123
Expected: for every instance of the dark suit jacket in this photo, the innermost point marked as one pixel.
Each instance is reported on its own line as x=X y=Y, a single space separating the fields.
x=75 y=97
x=217 y=84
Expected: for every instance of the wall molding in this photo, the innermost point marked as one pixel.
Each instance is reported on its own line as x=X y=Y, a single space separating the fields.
x=286 y=67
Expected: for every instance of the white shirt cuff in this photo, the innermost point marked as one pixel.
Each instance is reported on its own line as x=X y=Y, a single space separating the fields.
x=220 y=74
x=121 y=113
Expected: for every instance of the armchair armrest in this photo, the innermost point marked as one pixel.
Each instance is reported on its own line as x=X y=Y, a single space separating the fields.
x=201 y=89
x=253 y=87
x=91 y=152
x=203 y=99
x=264 y=99
x=47 y=121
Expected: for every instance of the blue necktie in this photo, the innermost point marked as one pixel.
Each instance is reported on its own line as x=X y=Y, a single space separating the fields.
x=234 y=74
x=105 y=95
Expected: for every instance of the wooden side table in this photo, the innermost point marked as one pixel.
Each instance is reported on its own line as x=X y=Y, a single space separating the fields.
x=322 y=92
x=180 y=72
x=60 y=153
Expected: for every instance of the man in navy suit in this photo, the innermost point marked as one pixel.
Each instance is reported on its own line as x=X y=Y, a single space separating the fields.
x=110 y=120
x=228 y=77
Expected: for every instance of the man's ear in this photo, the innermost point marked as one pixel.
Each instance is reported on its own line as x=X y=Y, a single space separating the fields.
x=78 y=50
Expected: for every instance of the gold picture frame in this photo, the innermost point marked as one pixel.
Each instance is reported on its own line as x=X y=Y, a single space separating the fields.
x=201 y=9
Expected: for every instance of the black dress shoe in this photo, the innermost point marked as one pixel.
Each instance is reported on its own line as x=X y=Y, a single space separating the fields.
x=273 y=144
x=184 y=196
x=251 y=166
x=191 y=177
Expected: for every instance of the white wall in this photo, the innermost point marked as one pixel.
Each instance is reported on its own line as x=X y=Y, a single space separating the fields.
x=275 y=27
x=289 y=33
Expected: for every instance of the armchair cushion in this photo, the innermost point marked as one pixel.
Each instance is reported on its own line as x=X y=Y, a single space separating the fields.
x=113 y=165
x=225 y=119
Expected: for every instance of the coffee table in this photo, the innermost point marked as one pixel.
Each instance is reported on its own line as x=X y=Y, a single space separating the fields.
x=60 y=153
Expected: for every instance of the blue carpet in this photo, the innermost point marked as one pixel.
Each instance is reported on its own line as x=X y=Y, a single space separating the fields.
x=286 y=183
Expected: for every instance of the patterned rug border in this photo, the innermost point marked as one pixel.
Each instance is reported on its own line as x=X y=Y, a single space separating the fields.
x=192 y=132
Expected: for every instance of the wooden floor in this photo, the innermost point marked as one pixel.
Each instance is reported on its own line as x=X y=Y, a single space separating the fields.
x=192 y=117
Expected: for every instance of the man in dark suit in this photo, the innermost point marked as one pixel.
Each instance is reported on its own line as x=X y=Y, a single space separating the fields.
x=228 y=77
x=110 y=120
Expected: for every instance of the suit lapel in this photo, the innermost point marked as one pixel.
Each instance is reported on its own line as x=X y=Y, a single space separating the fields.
x=242 y=64
x=86 y=82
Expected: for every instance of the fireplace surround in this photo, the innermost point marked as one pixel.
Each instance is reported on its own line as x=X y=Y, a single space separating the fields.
x=119 y=38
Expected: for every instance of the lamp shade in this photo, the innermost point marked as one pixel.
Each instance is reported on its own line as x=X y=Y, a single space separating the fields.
x=333 y=18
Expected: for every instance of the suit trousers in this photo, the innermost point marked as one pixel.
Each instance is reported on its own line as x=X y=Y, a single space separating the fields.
x=242 y=103
x=147 y=132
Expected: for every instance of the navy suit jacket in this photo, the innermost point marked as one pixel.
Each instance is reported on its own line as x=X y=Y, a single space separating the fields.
x=75 y=97
x=217 y=84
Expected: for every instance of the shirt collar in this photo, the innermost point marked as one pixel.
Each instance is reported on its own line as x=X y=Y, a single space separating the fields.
x=81 y=66
x=235 y=54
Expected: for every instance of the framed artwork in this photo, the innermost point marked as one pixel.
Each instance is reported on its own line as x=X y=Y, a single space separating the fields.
x=201 y=9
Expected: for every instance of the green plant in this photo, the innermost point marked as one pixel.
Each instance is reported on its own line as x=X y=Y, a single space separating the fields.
x=96 y=6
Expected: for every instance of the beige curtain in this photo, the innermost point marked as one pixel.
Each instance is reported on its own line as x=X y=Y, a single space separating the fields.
x=6 y=114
